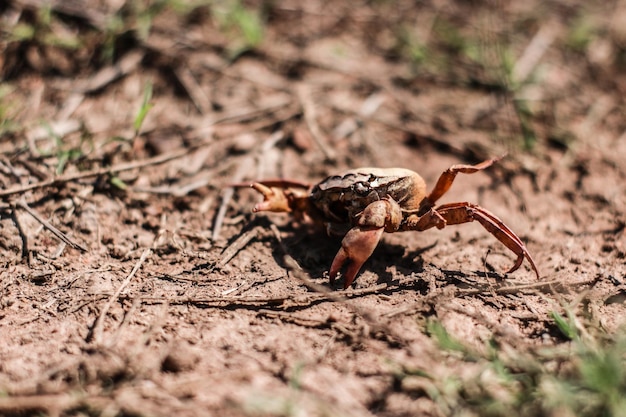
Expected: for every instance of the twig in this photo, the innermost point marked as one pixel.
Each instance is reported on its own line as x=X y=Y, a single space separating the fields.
x=248 y=114
x=71 y=8
x=112 y=341
x=250 y=301
x=227 y=195
x=194 y=90
x=242 y=171
x=23 y=236
x=237 y=245
x=427 y=302
x=98 y=172
x=46 y=224
x=105 y=76
x=518 y=288
x=180 y=190
x=95 y=334
x=265 y=148
x=308 y=109
x=351 y=331
x=53 y=405
x=533 y=52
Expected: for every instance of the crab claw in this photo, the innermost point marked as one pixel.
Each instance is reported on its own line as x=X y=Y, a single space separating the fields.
x=273 y=200
x=356 y=247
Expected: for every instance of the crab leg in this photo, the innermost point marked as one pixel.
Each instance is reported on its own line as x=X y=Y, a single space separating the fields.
x=283 y=200
x=457 y=213
x=273 y=199
x=447 y=178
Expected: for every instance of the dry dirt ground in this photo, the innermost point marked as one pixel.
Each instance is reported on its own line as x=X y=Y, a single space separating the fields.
x=134 y=281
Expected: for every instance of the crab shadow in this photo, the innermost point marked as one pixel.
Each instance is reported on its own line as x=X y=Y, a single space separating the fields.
x=390 y=263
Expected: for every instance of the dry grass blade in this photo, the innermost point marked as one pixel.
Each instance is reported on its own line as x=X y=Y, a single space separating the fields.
x=247 y=114
x=242 y=170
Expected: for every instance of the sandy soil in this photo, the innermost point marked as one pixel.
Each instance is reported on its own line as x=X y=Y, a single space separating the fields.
x=169 y=297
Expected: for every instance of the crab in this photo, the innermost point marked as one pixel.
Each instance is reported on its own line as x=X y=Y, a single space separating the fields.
x=370 y=201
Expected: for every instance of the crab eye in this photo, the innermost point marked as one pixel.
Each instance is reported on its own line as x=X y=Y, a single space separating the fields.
x=361 y=188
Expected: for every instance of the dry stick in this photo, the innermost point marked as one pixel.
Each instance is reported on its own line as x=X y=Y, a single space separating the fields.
x=422 y=304
x=308 y=108
x=125 y=322
x=297 y=300
x=33 y=169
x=106 y=75
x=517 y=288
x=200 y=100
x=534 y=52
x=293 y=265
x=53 y=405
x=23 y=236
x=239 y=243
x=59 y=234
x=72 y=8
x=96 y=331
x=250 y=114
x=242 y=170
x=227 y=195
x=99 y=172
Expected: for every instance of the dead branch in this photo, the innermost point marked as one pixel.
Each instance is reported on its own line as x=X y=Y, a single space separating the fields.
x=349 y=330
x=247 y=114
x=308 y=108
x=53 y=405
x=237 y=245
x=23 y=236
x=426 y=303
x=240 y=174
x=251 y=301
x=157 y=160
x=513 y=289
x=46 y=224
x=194 y=90
x=70 y=8
x=534 y=52
x=105 y=76
x=227 y=195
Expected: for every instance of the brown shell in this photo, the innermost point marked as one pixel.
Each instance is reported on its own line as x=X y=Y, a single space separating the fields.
x=340 y=198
